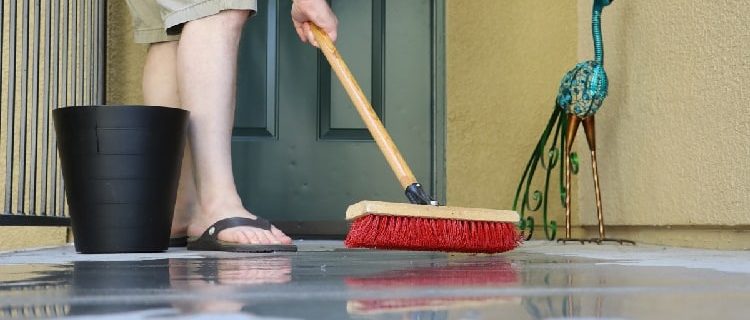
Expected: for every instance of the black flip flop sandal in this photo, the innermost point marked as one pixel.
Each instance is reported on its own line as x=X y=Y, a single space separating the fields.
x=208 y=241
x=178 y=242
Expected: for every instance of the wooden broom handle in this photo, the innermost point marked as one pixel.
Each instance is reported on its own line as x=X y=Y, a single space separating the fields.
x=377 y=130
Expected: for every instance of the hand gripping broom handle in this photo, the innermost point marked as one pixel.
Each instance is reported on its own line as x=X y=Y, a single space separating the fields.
x=412 y=188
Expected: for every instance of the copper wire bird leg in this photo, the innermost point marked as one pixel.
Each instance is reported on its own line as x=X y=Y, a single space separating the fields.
x=588 y=127
x=570 y=135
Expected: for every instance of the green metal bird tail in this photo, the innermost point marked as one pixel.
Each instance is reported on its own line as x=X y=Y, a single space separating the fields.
x=546 y=153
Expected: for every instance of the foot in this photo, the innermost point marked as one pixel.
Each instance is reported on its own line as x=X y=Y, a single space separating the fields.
x=181 y=219
x=179 y=229
x=240 y=235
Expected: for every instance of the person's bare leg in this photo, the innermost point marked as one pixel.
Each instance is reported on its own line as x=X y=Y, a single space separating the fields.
x=206 y=70
x=160 y=89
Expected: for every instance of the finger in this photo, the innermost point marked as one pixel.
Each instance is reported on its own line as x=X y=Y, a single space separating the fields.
x=309 y=34
x=300 y=32
x=333 y=35
x=331 y=29
x=328 y=23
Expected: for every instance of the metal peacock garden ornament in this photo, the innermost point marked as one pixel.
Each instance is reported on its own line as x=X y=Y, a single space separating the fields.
x=582 y=92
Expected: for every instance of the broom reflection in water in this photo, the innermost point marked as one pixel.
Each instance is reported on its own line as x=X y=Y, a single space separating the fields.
x=406 y=290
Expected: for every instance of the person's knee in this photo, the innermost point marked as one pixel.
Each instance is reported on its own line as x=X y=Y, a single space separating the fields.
x=229 y=20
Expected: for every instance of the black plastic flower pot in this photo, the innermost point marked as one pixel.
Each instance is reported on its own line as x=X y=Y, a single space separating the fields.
x=121 y=168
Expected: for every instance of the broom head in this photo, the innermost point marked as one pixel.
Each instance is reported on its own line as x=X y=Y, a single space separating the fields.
x=385 y=225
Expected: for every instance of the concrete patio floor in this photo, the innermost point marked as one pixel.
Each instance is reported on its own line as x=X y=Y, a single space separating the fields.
x=539 y=280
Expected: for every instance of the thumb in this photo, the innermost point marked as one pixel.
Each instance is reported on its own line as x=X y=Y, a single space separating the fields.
x=331 y=31
x=328 y=26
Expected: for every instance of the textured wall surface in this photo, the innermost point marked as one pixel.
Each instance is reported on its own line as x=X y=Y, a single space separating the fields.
x=674 y=134
x=505 y=60
x=14 y=238
x=124 y=57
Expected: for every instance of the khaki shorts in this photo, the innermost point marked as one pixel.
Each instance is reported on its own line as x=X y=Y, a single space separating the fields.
x=162 y=20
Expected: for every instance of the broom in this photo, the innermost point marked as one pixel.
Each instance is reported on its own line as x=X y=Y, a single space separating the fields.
x=421 y=225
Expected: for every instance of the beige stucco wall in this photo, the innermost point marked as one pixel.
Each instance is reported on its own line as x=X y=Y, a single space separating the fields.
x=124 y=57
x=15 y=238
x=504 y=63
x=674 y=134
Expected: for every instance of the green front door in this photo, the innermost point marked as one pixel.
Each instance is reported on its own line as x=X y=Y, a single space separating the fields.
x=301 y=153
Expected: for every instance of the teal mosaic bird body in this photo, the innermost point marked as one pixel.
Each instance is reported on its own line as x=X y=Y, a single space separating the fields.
x=584 y=88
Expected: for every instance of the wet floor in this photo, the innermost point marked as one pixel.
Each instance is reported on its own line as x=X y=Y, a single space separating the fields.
x=540 y=280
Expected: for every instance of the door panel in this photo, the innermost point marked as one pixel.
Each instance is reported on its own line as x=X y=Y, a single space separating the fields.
x=301 y=154
x=362 y=45
x=357 y=44
x=255 y=115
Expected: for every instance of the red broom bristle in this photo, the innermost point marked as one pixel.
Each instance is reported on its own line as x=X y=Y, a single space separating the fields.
x=430 y=234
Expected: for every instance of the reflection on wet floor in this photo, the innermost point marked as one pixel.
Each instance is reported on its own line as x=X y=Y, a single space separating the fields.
x=454 y=275
x=363 y=284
